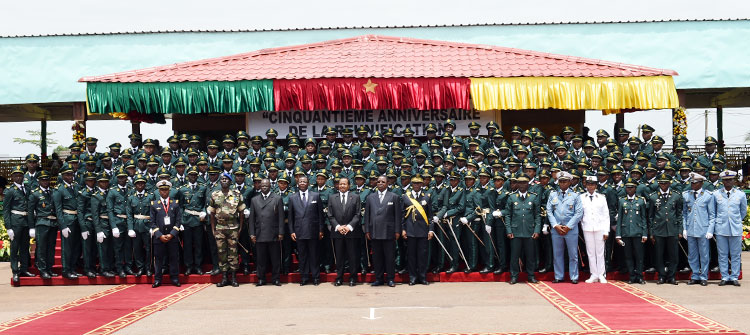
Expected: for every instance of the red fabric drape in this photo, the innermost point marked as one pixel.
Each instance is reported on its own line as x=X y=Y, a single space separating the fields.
x=390 y=93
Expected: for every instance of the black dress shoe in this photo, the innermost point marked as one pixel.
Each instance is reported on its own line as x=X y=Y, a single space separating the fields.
x=574 y=281
x=176 y=282
x=660 y=281
x=485 y=270
x=188 y=271
x=129 y=271
x=260 y=283
x=555 y=281
x=377 y=283
x=693 y=282
x=276 y=283
x=672 y=281
x=736 y=282
x=122 y=274
x=45 y=275
x=16 y=280
x=246 y=270
x=69 y=275
x=53 y=274
x=685 y=270
x=303 y=282
x=412 y=282
x=435 y=271
x=156 y=283
x=468 y=270
x=197 y=270
x=26 y=274
x=513 y=280
x=499 y=271
x=722 y=282
x=90 y=274
x=704 y=283
x=316 y=282
x=533 y=280
x=139 y=273
x=149 y=273
x=424 y=282
x=630 y=281
x=337 y=282
x=391 y=283
x=641 y=281
x=451 y=270
x=214 y=271
x=352 y=283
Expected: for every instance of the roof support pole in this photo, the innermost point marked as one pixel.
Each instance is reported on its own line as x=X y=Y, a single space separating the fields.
x=135 y=127
x=720 y=128
x=43 y=143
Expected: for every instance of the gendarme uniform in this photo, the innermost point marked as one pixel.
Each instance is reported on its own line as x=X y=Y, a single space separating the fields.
x=522 y=220
x=226 y=207
x=42 y=217
x=451 y=213
x=138 y=210
x=192 y=196
x=99 y=214
x=665 y=216
x=65 y=197
x=632 y=229
x=731 y=209
x=86 y=226
x=118 y=219
x=15 y=214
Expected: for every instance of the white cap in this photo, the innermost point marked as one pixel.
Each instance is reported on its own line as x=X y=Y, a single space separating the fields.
x=695 y=177
x=591 y=179
x=165 y=183
x=563 y=175
x=728 y=174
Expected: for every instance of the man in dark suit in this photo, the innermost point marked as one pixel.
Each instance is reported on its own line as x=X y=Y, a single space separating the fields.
x=306 y=228
x=166 y=217
x=382 y=220
x=266 y=226
x=416 y=230
x=344 y=210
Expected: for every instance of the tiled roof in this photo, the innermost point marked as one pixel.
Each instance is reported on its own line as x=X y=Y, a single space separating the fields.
x=372 y=56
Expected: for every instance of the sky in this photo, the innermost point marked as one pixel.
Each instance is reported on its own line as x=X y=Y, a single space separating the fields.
x=108 y=132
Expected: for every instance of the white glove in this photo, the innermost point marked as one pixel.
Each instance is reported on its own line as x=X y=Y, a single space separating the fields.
x=100 y=237
x=131 y=233
x=488 y=228
x=246 y=212
x=497 y=213
x=464 y=220
x=10 y=234
x=545 y=229
x=32 y=232
x=116 y=232
x=435 y=219
x=202 y=216
x=445 y=215
x=684 y=234
x=709 y=236
x=65 y=232
x=85 y=235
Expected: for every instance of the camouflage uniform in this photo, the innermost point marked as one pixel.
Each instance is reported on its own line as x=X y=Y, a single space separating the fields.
x=227 y=232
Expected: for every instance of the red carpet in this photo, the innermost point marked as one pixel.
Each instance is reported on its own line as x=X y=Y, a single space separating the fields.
x=103 y=312
x=621 y=308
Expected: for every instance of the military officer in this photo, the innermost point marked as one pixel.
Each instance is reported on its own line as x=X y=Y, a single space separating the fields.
x=497 y=230
x=454 y=207
x=138 y=209
x=42 y=217
x=118 y=219
x=192 y=196
x=417 y=230
x=65 y=198
x=731 y=209
x=100 y=218
x=227 y=207
x=86 y=224
x=632 y=230
x=470 y=222
x=15 y=217
x=165 y=214
x=698 y=214
x=665 y=216
x=564 y=212
x=522 y=226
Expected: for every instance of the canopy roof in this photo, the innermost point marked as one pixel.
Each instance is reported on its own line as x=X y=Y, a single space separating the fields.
x=380 y=72
x=373 y=56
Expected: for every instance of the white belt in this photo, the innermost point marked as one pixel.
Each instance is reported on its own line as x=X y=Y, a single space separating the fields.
x=71 y=212
x=104 y=217
x=121 y=216
x=141 y=217
x=52 y=217
x=19 y=212
x=196 y=213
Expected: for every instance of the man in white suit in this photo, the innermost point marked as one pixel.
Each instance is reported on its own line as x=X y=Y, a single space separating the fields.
x=595 y=225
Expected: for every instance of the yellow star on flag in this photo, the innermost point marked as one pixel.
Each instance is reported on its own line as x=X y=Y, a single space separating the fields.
x=370 y=86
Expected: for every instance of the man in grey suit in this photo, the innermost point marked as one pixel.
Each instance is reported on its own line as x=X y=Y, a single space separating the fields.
x=306 y=228
x=266 y=226
x=382 y=223
x=344 y=210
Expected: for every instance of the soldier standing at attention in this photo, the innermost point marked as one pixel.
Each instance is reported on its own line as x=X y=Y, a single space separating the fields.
x=66 y=206
x=16 y=223
x=102 y=227
x=632 y=230
x=138 y=211
x=118 y=219
x=193 y=199
x=731 y=209
x=42 y=217
x=698 y=215
x=165 y=216
x=227 y=207
x=665 y=215
x=86 y=224
x=564 y=211
x=522 y=227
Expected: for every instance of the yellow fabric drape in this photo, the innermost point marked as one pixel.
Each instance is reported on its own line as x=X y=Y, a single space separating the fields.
x=609 y=94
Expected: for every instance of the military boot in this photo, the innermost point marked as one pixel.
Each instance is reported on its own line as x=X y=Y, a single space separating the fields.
x=224 y=280
x=234 y=279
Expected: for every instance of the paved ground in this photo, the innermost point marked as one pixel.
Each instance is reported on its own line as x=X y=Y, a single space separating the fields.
x=440 y=307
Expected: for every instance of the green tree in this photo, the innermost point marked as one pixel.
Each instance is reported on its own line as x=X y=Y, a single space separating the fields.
x=35 y=138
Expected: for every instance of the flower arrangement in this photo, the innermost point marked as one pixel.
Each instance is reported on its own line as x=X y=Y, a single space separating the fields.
x=4 y=243
x=679 y=122
x=746 y=232
x=79 y=131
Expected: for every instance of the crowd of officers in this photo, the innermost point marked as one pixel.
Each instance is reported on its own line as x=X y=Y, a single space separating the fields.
x=473 y=203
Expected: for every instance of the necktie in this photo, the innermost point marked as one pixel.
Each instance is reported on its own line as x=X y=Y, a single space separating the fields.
x=304 y=201
x=192 y=187
x=23 y=190
x=592 y=198
x=343 y=200
x=695 y=195
x=381 y=197
x=727 y=194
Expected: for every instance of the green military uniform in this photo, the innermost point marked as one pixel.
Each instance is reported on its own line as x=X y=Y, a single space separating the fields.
x=522 y=221
x=632 y=229
x=65 y=198
x=226 y=207
x=498 y=225
x=451 y=213
x=665 y=216
x=117 y=197
x=192 y=197
x=42 y=217
x=100 y=217
x=15 y=212
x=138 y=209
x=86 y=226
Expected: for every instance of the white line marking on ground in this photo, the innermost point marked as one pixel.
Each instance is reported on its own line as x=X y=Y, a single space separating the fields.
x=372 y=310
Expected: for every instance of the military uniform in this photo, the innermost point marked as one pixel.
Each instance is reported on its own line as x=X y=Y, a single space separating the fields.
x=65 y=198
x=632 y=229
x=225 y=209
x=454 y=207
x=665 y=215
x=86 y=226
x=118 y=219
x=42 y=217
x=192 y=196
x=522 y=222
x=15 y=217
x=138 y=209
x=100 y=217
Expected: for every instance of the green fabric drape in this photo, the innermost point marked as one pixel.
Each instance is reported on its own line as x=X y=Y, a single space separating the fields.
x=180 y=97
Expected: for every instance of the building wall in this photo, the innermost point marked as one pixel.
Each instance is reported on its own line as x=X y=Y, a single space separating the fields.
x=706 y=54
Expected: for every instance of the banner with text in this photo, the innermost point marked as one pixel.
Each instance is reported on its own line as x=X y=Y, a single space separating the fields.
x=311 y=123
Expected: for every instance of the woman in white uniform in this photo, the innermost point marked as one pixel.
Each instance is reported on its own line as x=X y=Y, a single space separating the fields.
x=595 y=226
